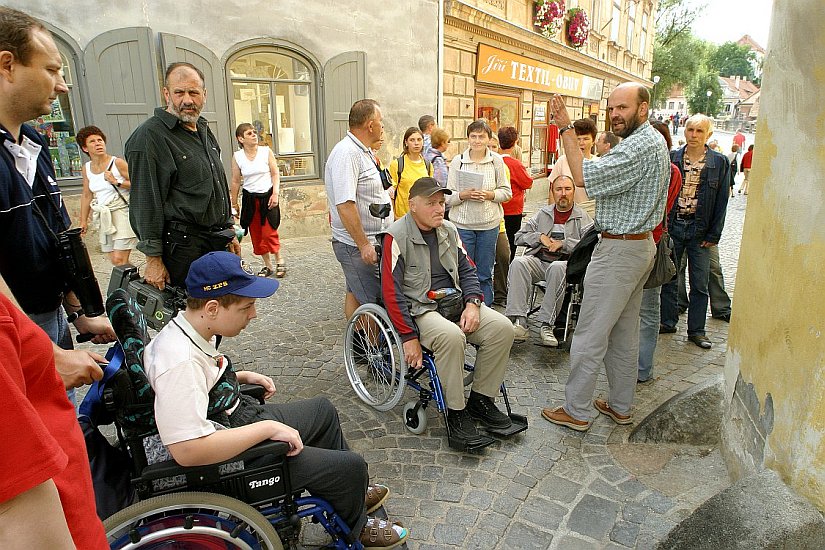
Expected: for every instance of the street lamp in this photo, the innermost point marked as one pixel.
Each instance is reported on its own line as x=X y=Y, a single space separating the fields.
x=709 y=93
x=656 y=80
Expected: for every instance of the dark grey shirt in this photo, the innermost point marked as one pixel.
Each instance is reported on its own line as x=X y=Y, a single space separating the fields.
x=439 y=277
x=176 y=175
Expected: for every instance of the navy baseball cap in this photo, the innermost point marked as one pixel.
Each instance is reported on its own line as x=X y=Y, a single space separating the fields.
x=220 y=273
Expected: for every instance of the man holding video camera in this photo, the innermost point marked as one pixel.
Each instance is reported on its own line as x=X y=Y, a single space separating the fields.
x=32 y=214
x=180 y=206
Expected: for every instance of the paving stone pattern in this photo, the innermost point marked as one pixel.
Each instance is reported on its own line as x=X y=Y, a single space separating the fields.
x=549 y=487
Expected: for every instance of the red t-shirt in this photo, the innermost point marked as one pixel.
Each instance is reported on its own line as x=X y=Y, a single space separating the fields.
x=40 y=438
x=747 y=160
x=739 y=139
x=520 y=181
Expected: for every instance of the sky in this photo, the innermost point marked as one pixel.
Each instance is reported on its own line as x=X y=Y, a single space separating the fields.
x=728 y=20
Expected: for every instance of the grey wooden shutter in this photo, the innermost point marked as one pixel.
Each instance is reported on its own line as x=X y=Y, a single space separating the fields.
x=175 y=49
x=345 y=82
x=122 y=78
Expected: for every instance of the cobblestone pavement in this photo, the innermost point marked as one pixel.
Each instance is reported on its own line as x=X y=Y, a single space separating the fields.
x=546 y=488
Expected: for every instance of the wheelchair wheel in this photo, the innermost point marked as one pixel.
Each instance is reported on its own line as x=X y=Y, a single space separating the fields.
x=374 y=358
x=415 y=422
x=191 y=521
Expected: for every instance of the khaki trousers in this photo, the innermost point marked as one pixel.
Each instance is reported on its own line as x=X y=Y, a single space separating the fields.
x=494 y=337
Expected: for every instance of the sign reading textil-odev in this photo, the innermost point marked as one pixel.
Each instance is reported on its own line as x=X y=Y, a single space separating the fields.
x=497 y=66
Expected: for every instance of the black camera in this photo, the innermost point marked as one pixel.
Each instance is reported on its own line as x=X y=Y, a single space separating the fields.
x=158 y=306
x=76 y=265
x=380 y=210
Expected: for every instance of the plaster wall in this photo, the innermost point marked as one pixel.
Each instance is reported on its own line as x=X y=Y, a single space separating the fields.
x=775 y=368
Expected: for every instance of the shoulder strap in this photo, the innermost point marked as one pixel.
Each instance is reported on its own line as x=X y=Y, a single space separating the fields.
x=119 y=194
x=400 y=166
x=428 y=165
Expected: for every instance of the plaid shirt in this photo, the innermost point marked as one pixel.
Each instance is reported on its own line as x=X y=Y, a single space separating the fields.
x=630 y=183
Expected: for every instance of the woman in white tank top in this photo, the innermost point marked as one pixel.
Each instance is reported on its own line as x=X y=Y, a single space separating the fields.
x=254 y=168
x=106 y=193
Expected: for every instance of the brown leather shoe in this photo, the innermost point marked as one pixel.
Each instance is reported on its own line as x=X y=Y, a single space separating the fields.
x=376 y=495
x=382 y=534
x=559 y=416
x=623 y=419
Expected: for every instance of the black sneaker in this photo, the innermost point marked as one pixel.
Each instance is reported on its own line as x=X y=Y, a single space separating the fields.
x=483 y=409
x=461 y=425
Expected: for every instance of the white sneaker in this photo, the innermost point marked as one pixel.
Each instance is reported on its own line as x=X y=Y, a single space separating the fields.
x=547 y=337
x=520 y=332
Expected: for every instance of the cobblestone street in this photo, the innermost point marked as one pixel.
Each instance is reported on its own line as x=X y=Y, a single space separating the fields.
x=546 y=488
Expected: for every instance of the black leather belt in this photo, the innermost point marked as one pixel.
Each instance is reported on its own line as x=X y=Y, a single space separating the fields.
x=685 y=216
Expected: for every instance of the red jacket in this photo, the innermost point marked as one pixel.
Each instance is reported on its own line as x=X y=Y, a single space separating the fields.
x=520 y=181
x=747 y=159
x=672 y=192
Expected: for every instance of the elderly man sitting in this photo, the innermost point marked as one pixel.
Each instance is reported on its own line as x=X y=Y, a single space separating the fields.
x=433 y=297
x=549 y=236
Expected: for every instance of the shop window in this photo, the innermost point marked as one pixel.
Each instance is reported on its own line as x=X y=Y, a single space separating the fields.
x=59 y=128
x=498 y=110
x=274 y=90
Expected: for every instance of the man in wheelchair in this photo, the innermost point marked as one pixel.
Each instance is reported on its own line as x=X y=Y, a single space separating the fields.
x=550 y=235
x=194 y=384
x=433 y=298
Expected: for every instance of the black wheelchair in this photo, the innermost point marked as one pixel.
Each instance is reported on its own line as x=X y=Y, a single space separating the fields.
x=246 y=502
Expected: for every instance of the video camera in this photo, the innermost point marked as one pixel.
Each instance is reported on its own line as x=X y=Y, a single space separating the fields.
x=158 y=306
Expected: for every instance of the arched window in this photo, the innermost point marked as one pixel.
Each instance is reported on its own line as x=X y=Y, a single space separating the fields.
x=274 y=89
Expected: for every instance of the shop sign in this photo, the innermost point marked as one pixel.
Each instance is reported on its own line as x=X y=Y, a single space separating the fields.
x=497 y=66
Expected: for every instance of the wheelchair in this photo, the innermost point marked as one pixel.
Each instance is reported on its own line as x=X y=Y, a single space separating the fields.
x=246 y=502
x=374 y=360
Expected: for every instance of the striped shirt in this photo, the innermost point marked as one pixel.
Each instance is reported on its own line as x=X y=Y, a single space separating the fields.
x=630 y=183
x=351 y=176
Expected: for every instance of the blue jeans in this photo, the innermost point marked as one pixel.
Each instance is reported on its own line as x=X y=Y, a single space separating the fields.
x=648 y=331
x=719 y=299
x=683 y=234
x=481 y=247
x=54 y=324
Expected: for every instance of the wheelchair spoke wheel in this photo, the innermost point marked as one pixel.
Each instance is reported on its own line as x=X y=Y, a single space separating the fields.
x=202 y=521
x=374 y=358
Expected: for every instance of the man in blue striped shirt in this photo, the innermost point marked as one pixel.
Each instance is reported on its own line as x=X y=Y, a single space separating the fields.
x=629 y=185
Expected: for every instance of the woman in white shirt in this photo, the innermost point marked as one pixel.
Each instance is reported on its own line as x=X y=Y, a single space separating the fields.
x=106 y=194
x=254 y=166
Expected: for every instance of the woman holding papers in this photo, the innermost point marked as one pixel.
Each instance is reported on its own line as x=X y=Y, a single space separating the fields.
x=478 y=179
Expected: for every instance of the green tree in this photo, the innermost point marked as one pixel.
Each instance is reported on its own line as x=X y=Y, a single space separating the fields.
x=697 y=94
x=731 y=59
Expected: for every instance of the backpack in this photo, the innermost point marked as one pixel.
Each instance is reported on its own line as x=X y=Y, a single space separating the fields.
x=427 y=164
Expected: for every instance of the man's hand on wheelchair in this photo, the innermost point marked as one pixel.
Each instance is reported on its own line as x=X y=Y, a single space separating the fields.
x=282 y=432
x=77 y=367
x=249 y=377
x=412 y=354
x=99 y=326
x=469 y=318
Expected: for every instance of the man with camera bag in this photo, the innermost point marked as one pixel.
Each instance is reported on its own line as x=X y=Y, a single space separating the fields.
x=433 y=297
x=32 y=213
x=180 y=206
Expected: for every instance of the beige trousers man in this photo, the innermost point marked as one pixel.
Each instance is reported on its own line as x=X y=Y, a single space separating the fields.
x=494 y=337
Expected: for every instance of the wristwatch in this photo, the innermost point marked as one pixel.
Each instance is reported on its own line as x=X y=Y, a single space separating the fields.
x=563 y=130
x=474 y=301
x=72 y=317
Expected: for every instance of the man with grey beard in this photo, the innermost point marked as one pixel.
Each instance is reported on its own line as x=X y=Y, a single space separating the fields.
x=180 y=206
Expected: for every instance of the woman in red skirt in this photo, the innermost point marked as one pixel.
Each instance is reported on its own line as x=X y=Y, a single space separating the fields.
x=254 y=166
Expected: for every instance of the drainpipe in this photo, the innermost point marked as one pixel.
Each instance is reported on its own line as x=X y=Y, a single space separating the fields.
x=439 y=116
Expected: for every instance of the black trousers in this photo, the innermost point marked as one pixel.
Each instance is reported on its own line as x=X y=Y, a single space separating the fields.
x=512 y=224
x=180 y=249
x=326 y=467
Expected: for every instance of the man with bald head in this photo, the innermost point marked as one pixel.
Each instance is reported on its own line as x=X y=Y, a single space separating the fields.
x=695 y=223
x=630 y=189
x=180 y=206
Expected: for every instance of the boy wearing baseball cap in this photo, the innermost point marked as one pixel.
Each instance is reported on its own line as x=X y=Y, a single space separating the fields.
x=195 y=388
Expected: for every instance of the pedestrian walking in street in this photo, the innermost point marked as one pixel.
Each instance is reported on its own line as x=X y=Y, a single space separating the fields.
x=254 y=168
x=105 y=193
x=747 y=162
x=630 y=189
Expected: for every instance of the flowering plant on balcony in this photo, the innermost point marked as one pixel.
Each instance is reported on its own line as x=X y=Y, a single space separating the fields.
x=549 y=16
x=578 y=27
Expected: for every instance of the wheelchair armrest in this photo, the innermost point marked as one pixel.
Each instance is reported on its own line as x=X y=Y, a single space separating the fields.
x=255 y=391
x=169 y=468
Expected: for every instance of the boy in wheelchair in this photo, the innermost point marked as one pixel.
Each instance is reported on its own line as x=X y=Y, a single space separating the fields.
x=433 y=298
x=195 y=384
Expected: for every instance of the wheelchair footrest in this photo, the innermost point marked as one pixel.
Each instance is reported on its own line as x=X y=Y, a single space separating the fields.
x=473 y=444
x=519 y=425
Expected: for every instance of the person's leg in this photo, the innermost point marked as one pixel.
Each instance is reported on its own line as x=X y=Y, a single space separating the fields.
x=350 y=305
x=119 y=257
x=484 y=260
x=447 y=343
x=512 y=224
x=621 y=361
x=362 y=280
x=502 y=266
x=648 y=331
x=682 y=279
x=523 y=273
x=494 y=337
x=179 y=251
x=719 y=299
x=554 y=276
x=669 y=296
x=698 y=271
x=744 y=187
